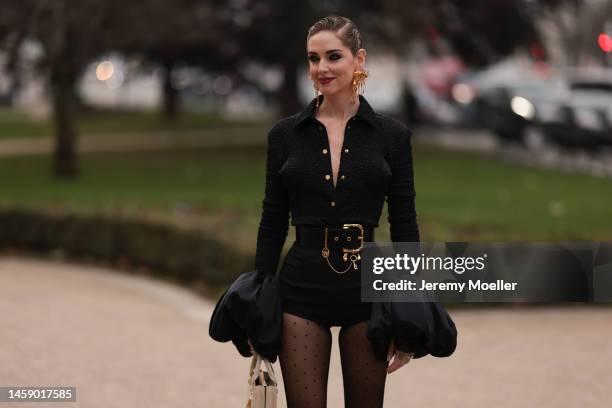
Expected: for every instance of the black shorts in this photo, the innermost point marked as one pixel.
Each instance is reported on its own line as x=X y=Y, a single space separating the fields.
x=312 y=290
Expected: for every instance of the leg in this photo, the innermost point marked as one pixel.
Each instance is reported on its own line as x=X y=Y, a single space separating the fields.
x=304 y=360
x=364 y=376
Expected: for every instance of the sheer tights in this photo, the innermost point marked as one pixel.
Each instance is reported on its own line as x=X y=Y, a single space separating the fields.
x=304 y=360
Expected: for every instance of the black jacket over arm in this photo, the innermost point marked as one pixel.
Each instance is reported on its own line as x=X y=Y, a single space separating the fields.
x=376 y=164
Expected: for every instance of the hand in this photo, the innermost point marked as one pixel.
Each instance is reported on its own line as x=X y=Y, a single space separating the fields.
x=400 y=359
x=251 y=346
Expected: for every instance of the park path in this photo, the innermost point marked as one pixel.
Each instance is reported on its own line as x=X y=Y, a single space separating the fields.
x=598 y=164
x=154 y=140
x=457 y=139
x=131 y=341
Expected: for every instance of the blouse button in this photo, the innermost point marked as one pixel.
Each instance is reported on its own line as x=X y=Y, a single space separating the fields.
x=342 y=177
x=345 y=150
x=327 y=177
x=320 y=127
x=348 y=127
x=324 y=151
x=333 y=203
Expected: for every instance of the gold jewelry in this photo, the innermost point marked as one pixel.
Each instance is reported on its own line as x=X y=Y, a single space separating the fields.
x=354 y=256
x=359 y=78
x=316 y=95
x=325 y=254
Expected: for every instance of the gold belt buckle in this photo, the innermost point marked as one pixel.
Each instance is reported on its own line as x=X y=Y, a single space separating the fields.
x=355 y=256
x=359 y=237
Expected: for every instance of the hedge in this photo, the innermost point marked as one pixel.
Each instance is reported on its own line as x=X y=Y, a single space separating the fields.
x=187 y=256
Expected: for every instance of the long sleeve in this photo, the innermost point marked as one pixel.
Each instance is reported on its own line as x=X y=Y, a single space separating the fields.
x=417 y=327
x=401 y=195
x=274 y=223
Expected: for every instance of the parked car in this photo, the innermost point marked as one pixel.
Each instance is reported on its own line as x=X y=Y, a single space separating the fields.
x=506 y=97
x=583 y=122
x=509 y=109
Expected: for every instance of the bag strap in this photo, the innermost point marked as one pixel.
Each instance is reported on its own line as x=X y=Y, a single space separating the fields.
x=255 y=365
x=255 y=370
x=253 y=359
x=270 y=370
x=253 y=362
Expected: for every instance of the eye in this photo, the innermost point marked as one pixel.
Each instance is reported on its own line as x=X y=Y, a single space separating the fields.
x=332 y=57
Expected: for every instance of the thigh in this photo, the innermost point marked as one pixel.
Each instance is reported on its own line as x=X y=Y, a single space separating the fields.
x=364 y=376
x=304 y=360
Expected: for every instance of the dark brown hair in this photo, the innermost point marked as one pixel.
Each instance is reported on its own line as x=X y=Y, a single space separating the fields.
x=343 y=27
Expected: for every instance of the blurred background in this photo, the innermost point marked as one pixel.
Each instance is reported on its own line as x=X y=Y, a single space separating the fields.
x=133 y=138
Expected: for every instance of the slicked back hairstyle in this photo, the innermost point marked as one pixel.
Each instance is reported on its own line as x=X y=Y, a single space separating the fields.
x=344 y=28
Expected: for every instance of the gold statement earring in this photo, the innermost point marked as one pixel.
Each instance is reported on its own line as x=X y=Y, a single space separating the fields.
x=316 y=95
x=359 y=78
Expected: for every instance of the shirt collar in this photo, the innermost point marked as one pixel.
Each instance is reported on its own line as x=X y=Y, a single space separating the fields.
x=364 y=112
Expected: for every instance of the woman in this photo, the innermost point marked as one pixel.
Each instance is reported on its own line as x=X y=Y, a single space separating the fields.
x=330 y=166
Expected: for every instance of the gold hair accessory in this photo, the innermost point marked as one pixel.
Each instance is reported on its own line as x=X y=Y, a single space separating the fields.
x=359 y=78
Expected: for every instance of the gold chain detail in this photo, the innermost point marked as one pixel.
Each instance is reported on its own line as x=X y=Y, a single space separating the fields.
x=325 y=254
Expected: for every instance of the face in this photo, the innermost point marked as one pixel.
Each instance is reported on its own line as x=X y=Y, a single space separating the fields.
x=329 y=58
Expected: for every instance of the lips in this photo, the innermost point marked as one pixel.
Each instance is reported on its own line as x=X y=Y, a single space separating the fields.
x=325 y=81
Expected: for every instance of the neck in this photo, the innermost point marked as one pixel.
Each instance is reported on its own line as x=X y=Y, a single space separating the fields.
x=338 y=106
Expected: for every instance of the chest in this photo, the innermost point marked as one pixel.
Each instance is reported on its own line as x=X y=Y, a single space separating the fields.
x=330 y=158
x=335 y=133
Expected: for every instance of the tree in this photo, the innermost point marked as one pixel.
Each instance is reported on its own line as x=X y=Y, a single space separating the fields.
x=483 y=32
x=191 y=32
x=73 y=33
x=558 y=23
x=571 y=28
x=70 y=34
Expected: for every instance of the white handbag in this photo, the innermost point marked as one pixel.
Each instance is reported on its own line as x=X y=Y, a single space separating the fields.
x=262 y=391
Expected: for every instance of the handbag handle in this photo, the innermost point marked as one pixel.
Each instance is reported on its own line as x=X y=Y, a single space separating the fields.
x=255 y=370
x=270 y=369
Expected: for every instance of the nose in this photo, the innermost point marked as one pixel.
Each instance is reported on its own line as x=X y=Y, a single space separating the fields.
x=322 y=69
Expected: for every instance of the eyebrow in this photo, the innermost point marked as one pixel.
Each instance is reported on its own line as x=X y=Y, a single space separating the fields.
x=312 y=52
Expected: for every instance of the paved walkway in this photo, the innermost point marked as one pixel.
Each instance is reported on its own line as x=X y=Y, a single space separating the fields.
x=471 y=140
x=134 y=141
x=127 y=341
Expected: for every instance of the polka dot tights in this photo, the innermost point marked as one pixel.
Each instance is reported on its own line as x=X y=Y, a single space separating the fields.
x=304 y=360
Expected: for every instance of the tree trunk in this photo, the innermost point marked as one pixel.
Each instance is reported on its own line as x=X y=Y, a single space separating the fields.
x=290 y=102
x=170 y=96
x=64 y=115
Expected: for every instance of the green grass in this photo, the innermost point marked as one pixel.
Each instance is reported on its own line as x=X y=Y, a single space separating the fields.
x=15 y=124
x=469 y=190
x=459 y=196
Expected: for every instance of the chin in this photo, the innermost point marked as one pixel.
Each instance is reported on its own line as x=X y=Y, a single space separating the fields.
x=329 y=92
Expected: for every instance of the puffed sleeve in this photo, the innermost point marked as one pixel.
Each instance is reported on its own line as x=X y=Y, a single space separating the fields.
x=249 y=309
x=420 y=327
x=401 y=195
x=274 y=223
